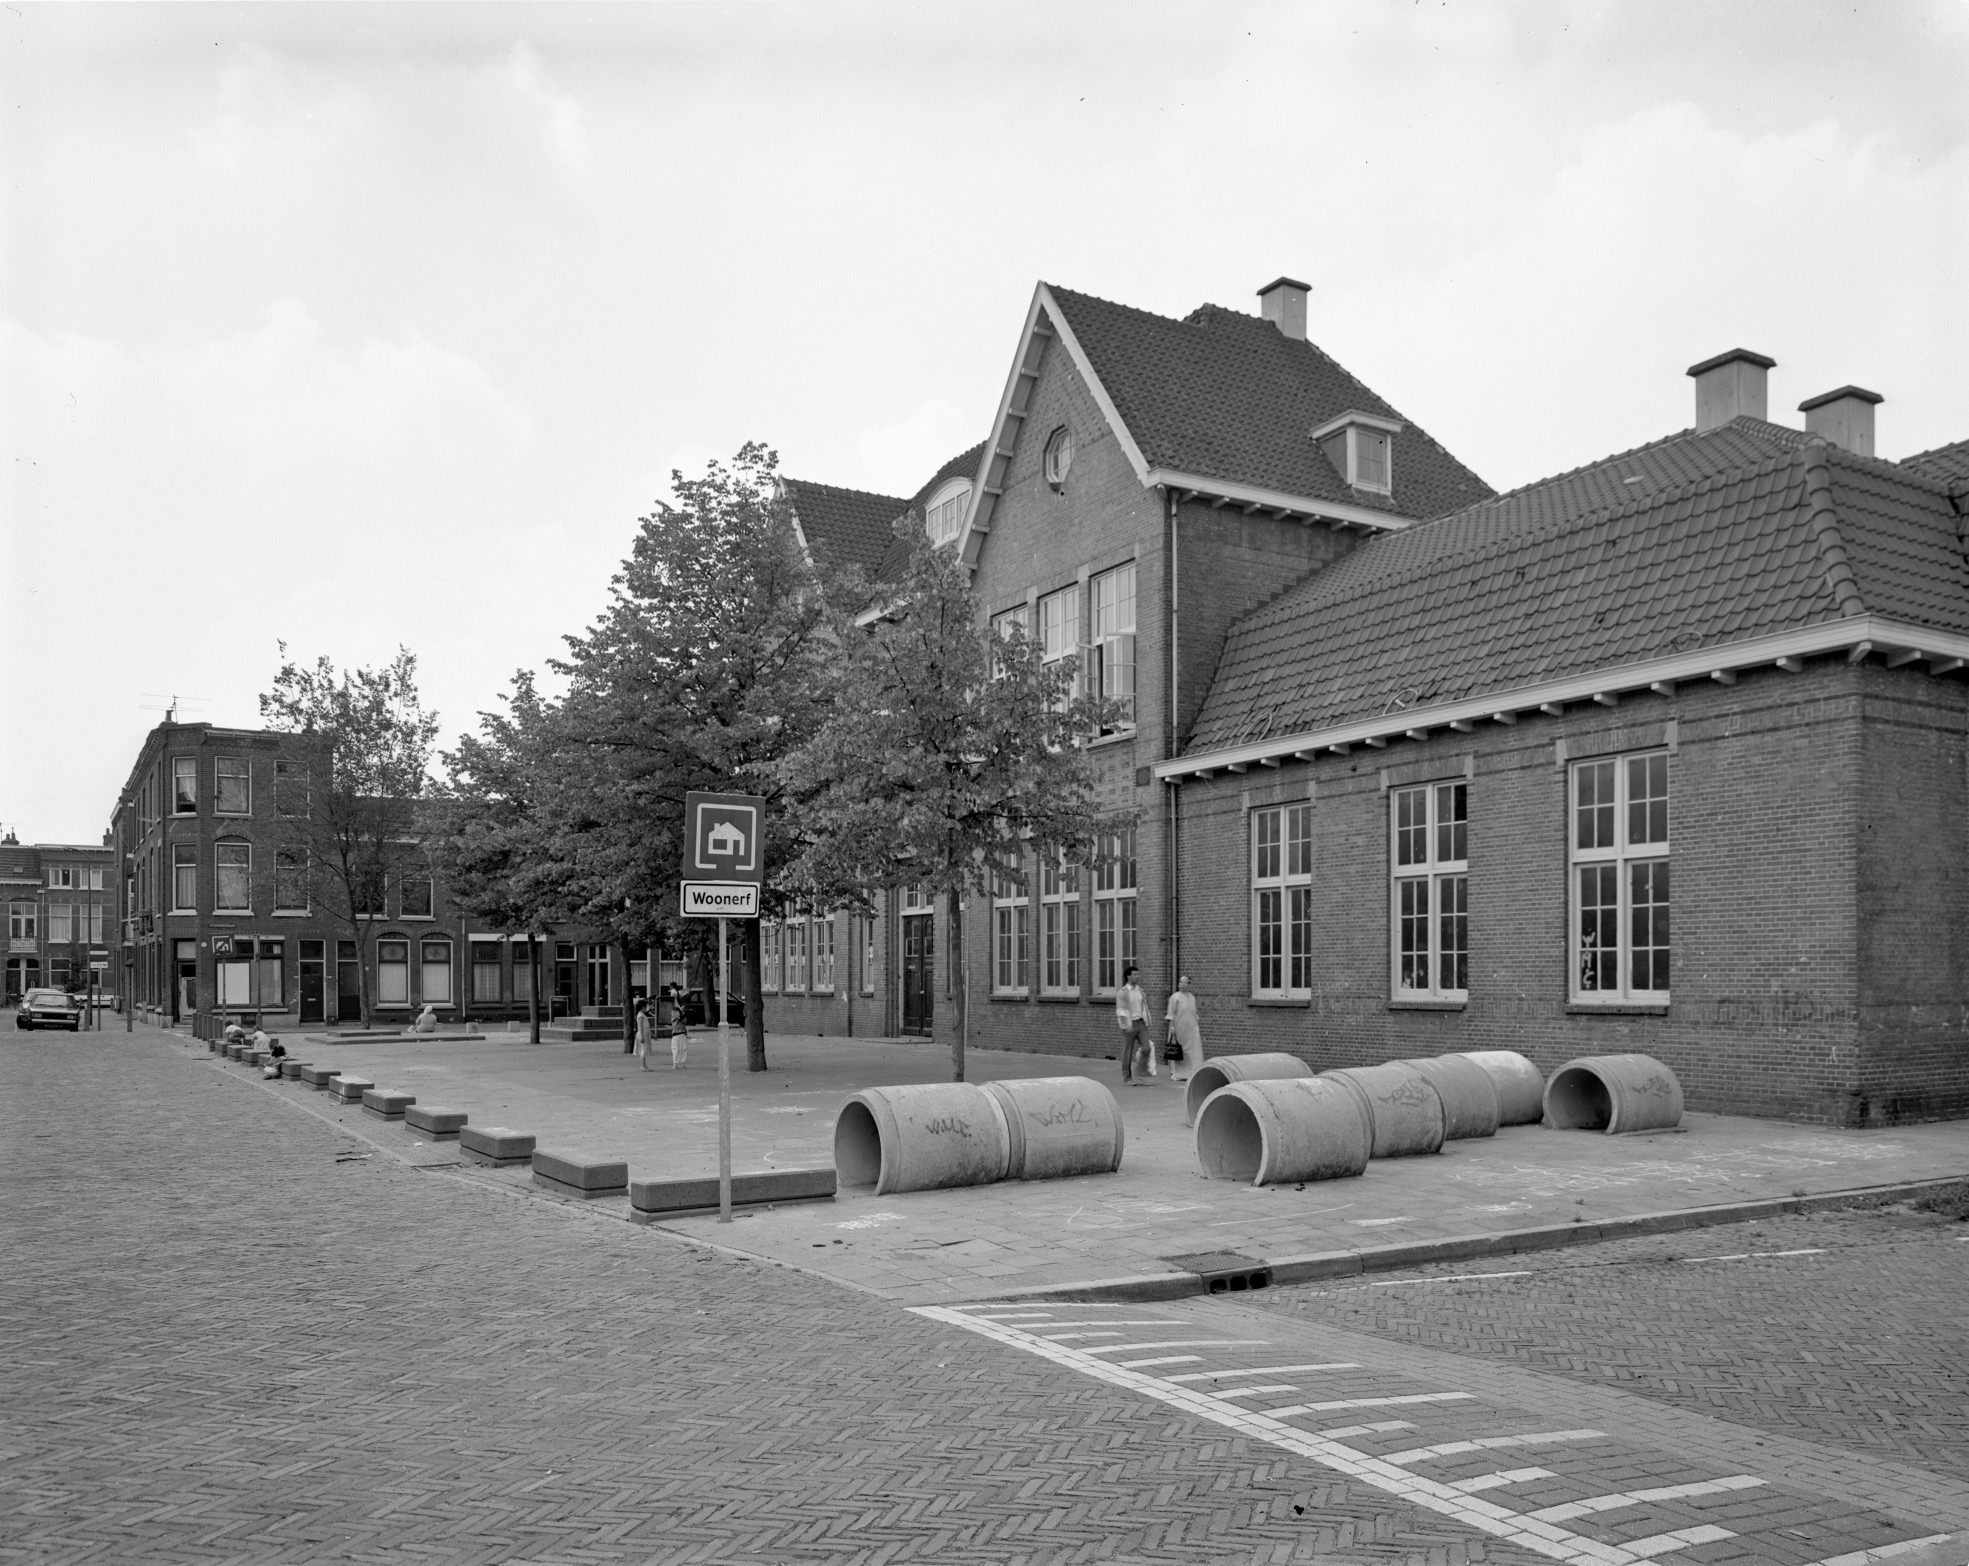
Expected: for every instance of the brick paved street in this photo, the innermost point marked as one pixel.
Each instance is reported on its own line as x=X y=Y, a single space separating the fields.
x=234 y=1332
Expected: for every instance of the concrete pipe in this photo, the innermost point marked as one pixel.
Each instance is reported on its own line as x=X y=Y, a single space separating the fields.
x=1613 y=1093
x=1520 y=1085
x=1470 y=1107
x=1059 y=1126
x=1221 y=1070
x=921 y=1137
x=1280 y=1130
x=1404 y=1110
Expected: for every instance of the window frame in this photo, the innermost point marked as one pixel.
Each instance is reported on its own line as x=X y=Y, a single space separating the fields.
x=184 y=860
x=1116 y=885
x=795 y=971
x=425 y=946
x=1056 y=458
x=868 y=954
x=821 y=955
x=944 y=511
x=183 y=767
x=1443 y=877
x=1280 y=864
x=1111 y=644
x=1062 y=953
x=769 y=956
x=244 y=870
x=1011 y=933
x=474 y=950
x=244 y=775
x=297 y=864
x=1624 y=856
x=430 y=886
x=384 y=963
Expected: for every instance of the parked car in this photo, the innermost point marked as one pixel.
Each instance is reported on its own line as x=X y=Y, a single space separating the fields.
x=49 y=1009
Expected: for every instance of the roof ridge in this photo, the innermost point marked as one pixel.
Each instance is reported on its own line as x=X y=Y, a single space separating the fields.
x=849 y=489
x=1824 y=523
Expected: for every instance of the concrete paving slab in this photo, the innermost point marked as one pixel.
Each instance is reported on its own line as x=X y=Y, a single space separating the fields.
x=943 y=1246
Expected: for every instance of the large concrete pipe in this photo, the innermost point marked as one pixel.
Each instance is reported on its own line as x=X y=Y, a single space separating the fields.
x=1520 y=1085
x=1221 y=1070
x=1281 y=1130
x=1613 y=1093
x=921 y=1137
x=1404 y=1110
x=1059 y=1126
x=1468 y=1094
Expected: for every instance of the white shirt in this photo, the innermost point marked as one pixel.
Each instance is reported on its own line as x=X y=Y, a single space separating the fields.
x=1130 y=1006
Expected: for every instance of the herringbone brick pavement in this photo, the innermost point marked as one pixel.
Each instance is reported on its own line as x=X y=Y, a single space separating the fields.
x=1845 y=1327
x=233 y=1333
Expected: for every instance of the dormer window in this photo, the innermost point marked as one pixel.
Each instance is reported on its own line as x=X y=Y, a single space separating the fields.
x=1361 y=447
x=943 y=517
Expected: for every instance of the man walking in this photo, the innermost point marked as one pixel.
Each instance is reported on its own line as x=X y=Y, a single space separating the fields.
x=1131 y=1014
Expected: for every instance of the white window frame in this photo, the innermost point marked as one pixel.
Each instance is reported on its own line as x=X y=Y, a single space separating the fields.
x=287 y=775
x=868 y=954
x=298 y=867
x=1281 y=848
x=796 y=955
x=481 y=969
x=23 y=922
x=386 y=971
x=425 y=967
x=1111 y=647
x=1058 y=632
x=1429 y=891
x=1019 y=617
x=1011 y=933
x=1639 y=864
x=245 y=765
x=184 y=769
x=1342 y=441
x=1056 y=457
x=219 y=851
x=821 y=945
x=60 y=924
x=769 y=959
x=61 y=878
x=943 y=513
x=180 y=868
x=1116 y=882
x=1062 y=930
x=430 y=885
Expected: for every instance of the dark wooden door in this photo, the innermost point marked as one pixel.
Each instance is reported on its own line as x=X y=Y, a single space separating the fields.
x=313 y=997
x=348 y=991
x=919 y=964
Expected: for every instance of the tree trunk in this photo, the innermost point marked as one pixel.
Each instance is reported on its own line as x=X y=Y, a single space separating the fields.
x=963 y=988
x=628 y=1001
x=749 y=987
x=533 y=989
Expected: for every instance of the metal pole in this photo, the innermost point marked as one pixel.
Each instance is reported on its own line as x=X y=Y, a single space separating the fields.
x=724 y=1079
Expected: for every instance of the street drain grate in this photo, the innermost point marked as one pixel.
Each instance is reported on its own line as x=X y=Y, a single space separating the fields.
x=1225 y=1272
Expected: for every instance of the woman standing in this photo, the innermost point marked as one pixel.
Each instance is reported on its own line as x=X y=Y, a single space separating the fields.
x=1185 y=1045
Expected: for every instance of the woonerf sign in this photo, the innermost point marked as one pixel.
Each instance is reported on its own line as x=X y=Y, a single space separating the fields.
x=723 y=858
x=718 y=900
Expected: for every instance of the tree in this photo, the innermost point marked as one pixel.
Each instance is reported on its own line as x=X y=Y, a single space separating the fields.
x=347 y=804
x=947 y=758
x=710 y=663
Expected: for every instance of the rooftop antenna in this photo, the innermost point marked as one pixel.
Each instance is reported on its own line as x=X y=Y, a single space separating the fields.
x=172 y=703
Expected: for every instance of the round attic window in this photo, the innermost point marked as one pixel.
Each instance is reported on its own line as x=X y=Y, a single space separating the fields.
x=1059 y=456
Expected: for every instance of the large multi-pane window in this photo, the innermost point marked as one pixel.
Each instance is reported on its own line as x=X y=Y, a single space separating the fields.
x=184 y=785
x=290 y=788
x=1004 y=626
x=796 y=954
x=1112 y=653
x=61 y=923
x=769 y=956
x=22 y=921
x=1059 y=629
x=91 y=919
x=1114 y=906
x=868 y=954
x=233 y=794
x=1282 y=902
x=290 y=880
x=1059 y=926
x=824 y=952
x=523 y=971
x=234 y=881
x=1619 y=844
x=62 y=876
x=1430 y=864
x=435 y=959
x=944 y=517
x=485 y=971
x=417 y=897
x=1011 y=924
x=393 y=973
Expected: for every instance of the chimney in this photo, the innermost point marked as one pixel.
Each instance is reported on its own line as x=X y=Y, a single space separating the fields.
x=1283 y=302
x=1844 y=417
x=1729 y=386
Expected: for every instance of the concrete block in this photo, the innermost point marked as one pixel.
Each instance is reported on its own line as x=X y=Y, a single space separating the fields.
x=292 y=1068
x=349 y=1089
x=495 y=1145
x=317 y=1076
x=669 y=1198
x=437 y=1124
x=573 y=1174
x=386 y=1104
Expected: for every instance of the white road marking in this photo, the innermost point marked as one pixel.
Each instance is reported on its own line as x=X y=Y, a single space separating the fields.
x=1375 y=1223
x=1342 y=1432
x=1105 y=1321
x=1262 y=1370
x=1752 y=1255
x=1166 y=1359
x=1278 y=1386
x=1667 y=1543
x=1292 y=1409
x=1497 y=1480
x=1455 y=1277
x=1626 y=1498
x=1422 y=1454
x=1882 y=1552
x=1061 y=1337
x=1116 y=1348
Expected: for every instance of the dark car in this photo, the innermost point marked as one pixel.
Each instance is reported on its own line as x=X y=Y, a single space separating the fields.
x=49 y=1009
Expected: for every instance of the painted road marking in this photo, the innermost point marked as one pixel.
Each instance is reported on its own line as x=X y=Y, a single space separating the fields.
x=1753 y=1255
x=1277 y=1386
x=1342 y=1432
x=1166 y=1359
x=1498 y=1480
x=1061 y=1337
x=1101 y=1321
x=1116 y=1348
x=1422 y=1454
x=1667 y=1543
x=1626 y=1498
x=1369 y=1402
x=1455 y=1277
x=1882 y=1552
x=1262 y=1370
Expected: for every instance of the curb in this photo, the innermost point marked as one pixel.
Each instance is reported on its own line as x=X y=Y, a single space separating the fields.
x=1322 y=1265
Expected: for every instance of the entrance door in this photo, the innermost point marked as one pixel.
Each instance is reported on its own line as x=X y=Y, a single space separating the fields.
x=919 y=963
x=314 y=981
x=564 y=972
x=348 y=983
x=598 y=974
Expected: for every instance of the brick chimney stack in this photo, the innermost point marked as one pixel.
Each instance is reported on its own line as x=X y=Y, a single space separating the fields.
x=1283 y=302
x=1729 y=386
x=1844 y=417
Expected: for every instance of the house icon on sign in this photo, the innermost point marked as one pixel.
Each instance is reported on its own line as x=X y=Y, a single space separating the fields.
x=725 y=839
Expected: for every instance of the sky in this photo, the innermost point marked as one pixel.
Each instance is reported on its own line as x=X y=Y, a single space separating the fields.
x=378 y=325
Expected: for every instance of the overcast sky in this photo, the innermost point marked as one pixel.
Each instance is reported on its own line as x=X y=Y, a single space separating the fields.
x=352 y=326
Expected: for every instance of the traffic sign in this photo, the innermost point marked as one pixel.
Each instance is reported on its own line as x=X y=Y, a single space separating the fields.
x=99 y=965
x=718 y=900
x=222 y=946
x=721 y=837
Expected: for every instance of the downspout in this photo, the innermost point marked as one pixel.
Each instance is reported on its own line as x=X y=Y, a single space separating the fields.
x=1172 y=848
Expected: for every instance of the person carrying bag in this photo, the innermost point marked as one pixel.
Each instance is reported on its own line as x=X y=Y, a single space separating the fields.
x=1184 y=1050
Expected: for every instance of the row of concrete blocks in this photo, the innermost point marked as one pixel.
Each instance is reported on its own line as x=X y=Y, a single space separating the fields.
x=567 y=1174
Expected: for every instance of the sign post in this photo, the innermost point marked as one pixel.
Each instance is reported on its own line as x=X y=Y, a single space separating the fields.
x=723 y=868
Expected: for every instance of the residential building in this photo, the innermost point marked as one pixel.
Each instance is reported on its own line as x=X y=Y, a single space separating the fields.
x=61 y=904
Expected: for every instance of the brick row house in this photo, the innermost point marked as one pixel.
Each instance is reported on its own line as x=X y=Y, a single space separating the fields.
x=61 y=908
x=1668 y=753
x=215 y=909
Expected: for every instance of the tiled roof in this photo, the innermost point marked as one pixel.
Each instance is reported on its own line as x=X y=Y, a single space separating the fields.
x=1943 y=463
x=1722 y=538
x=1228 y=396
x=854 y=525
x=896 y=555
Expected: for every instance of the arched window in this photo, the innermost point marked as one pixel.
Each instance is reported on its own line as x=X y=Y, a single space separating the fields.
x=434 y=981
x=943 y=517
x=1059 y=456
x=393 y=971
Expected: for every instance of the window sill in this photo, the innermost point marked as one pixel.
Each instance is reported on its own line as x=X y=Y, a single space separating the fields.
x=1422 y=1003
x=1059 y=1000
x=293 y=913
x=1580 y=1008
x=1115 y=738
x=417 y=919
x=1014 y=997
x=1280 y=1000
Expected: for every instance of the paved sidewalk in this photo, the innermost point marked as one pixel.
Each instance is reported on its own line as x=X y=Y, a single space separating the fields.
x=941 y=1247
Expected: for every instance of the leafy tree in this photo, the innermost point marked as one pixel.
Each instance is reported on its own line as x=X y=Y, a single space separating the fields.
x=948 y=757
x=348 y=815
